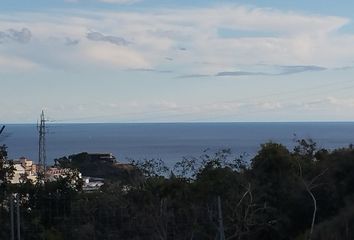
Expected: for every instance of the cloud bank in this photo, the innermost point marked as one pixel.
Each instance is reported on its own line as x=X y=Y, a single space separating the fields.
x=12 y=35
x=298 y=42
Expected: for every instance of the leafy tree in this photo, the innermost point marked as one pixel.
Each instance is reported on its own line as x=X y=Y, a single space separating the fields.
x=6 y=166
x=273 y=173
x=150 y=167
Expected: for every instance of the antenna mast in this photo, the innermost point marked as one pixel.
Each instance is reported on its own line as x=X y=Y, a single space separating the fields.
x=42 y=149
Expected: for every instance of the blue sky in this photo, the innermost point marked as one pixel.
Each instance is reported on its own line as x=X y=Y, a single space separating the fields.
x=176 y=61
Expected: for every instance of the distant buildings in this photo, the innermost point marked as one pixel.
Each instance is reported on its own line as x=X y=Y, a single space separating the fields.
x=24 y=169
x=19 y=173
x=54 y=173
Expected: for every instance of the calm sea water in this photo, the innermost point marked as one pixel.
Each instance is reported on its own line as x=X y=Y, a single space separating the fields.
x=168 y=141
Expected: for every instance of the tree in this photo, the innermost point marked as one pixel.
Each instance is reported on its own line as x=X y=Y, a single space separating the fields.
x=6 y=167
x=273 y=175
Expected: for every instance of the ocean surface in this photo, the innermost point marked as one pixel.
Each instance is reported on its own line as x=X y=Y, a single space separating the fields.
x=169 y=141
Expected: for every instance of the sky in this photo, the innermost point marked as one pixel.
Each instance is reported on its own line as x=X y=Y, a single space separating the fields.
x=176 y=61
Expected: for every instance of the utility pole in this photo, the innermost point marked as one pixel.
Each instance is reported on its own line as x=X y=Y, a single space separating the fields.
x=12 y=219
x=41 y=146
x=18 y=217
x=15 y=202
x=220 y=220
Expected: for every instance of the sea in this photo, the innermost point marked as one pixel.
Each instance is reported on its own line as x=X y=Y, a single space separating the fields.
x=170 y=142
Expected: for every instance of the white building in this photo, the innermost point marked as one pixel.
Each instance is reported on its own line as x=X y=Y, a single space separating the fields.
x=24 y=169
x=19 y=173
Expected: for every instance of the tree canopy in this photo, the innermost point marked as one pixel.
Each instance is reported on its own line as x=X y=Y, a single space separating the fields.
x=304 y=193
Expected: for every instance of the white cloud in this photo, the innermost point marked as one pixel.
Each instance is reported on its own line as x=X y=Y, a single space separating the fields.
x=341 y=102
x=11 y=63
x=115 y=56
x=294 y=39
x=269 y=105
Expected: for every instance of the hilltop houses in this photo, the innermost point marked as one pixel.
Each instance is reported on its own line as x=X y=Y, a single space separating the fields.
x=92 y=164
x=54 y=173
x=24 y=169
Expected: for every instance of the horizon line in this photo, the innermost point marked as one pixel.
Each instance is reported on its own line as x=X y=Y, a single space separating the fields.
x=184 y=122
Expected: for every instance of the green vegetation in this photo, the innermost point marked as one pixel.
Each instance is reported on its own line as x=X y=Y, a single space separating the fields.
x=306 y=193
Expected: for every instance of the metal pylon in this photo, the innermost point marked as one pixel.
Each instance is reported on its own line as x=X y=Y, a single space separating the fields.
x=41 y=146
